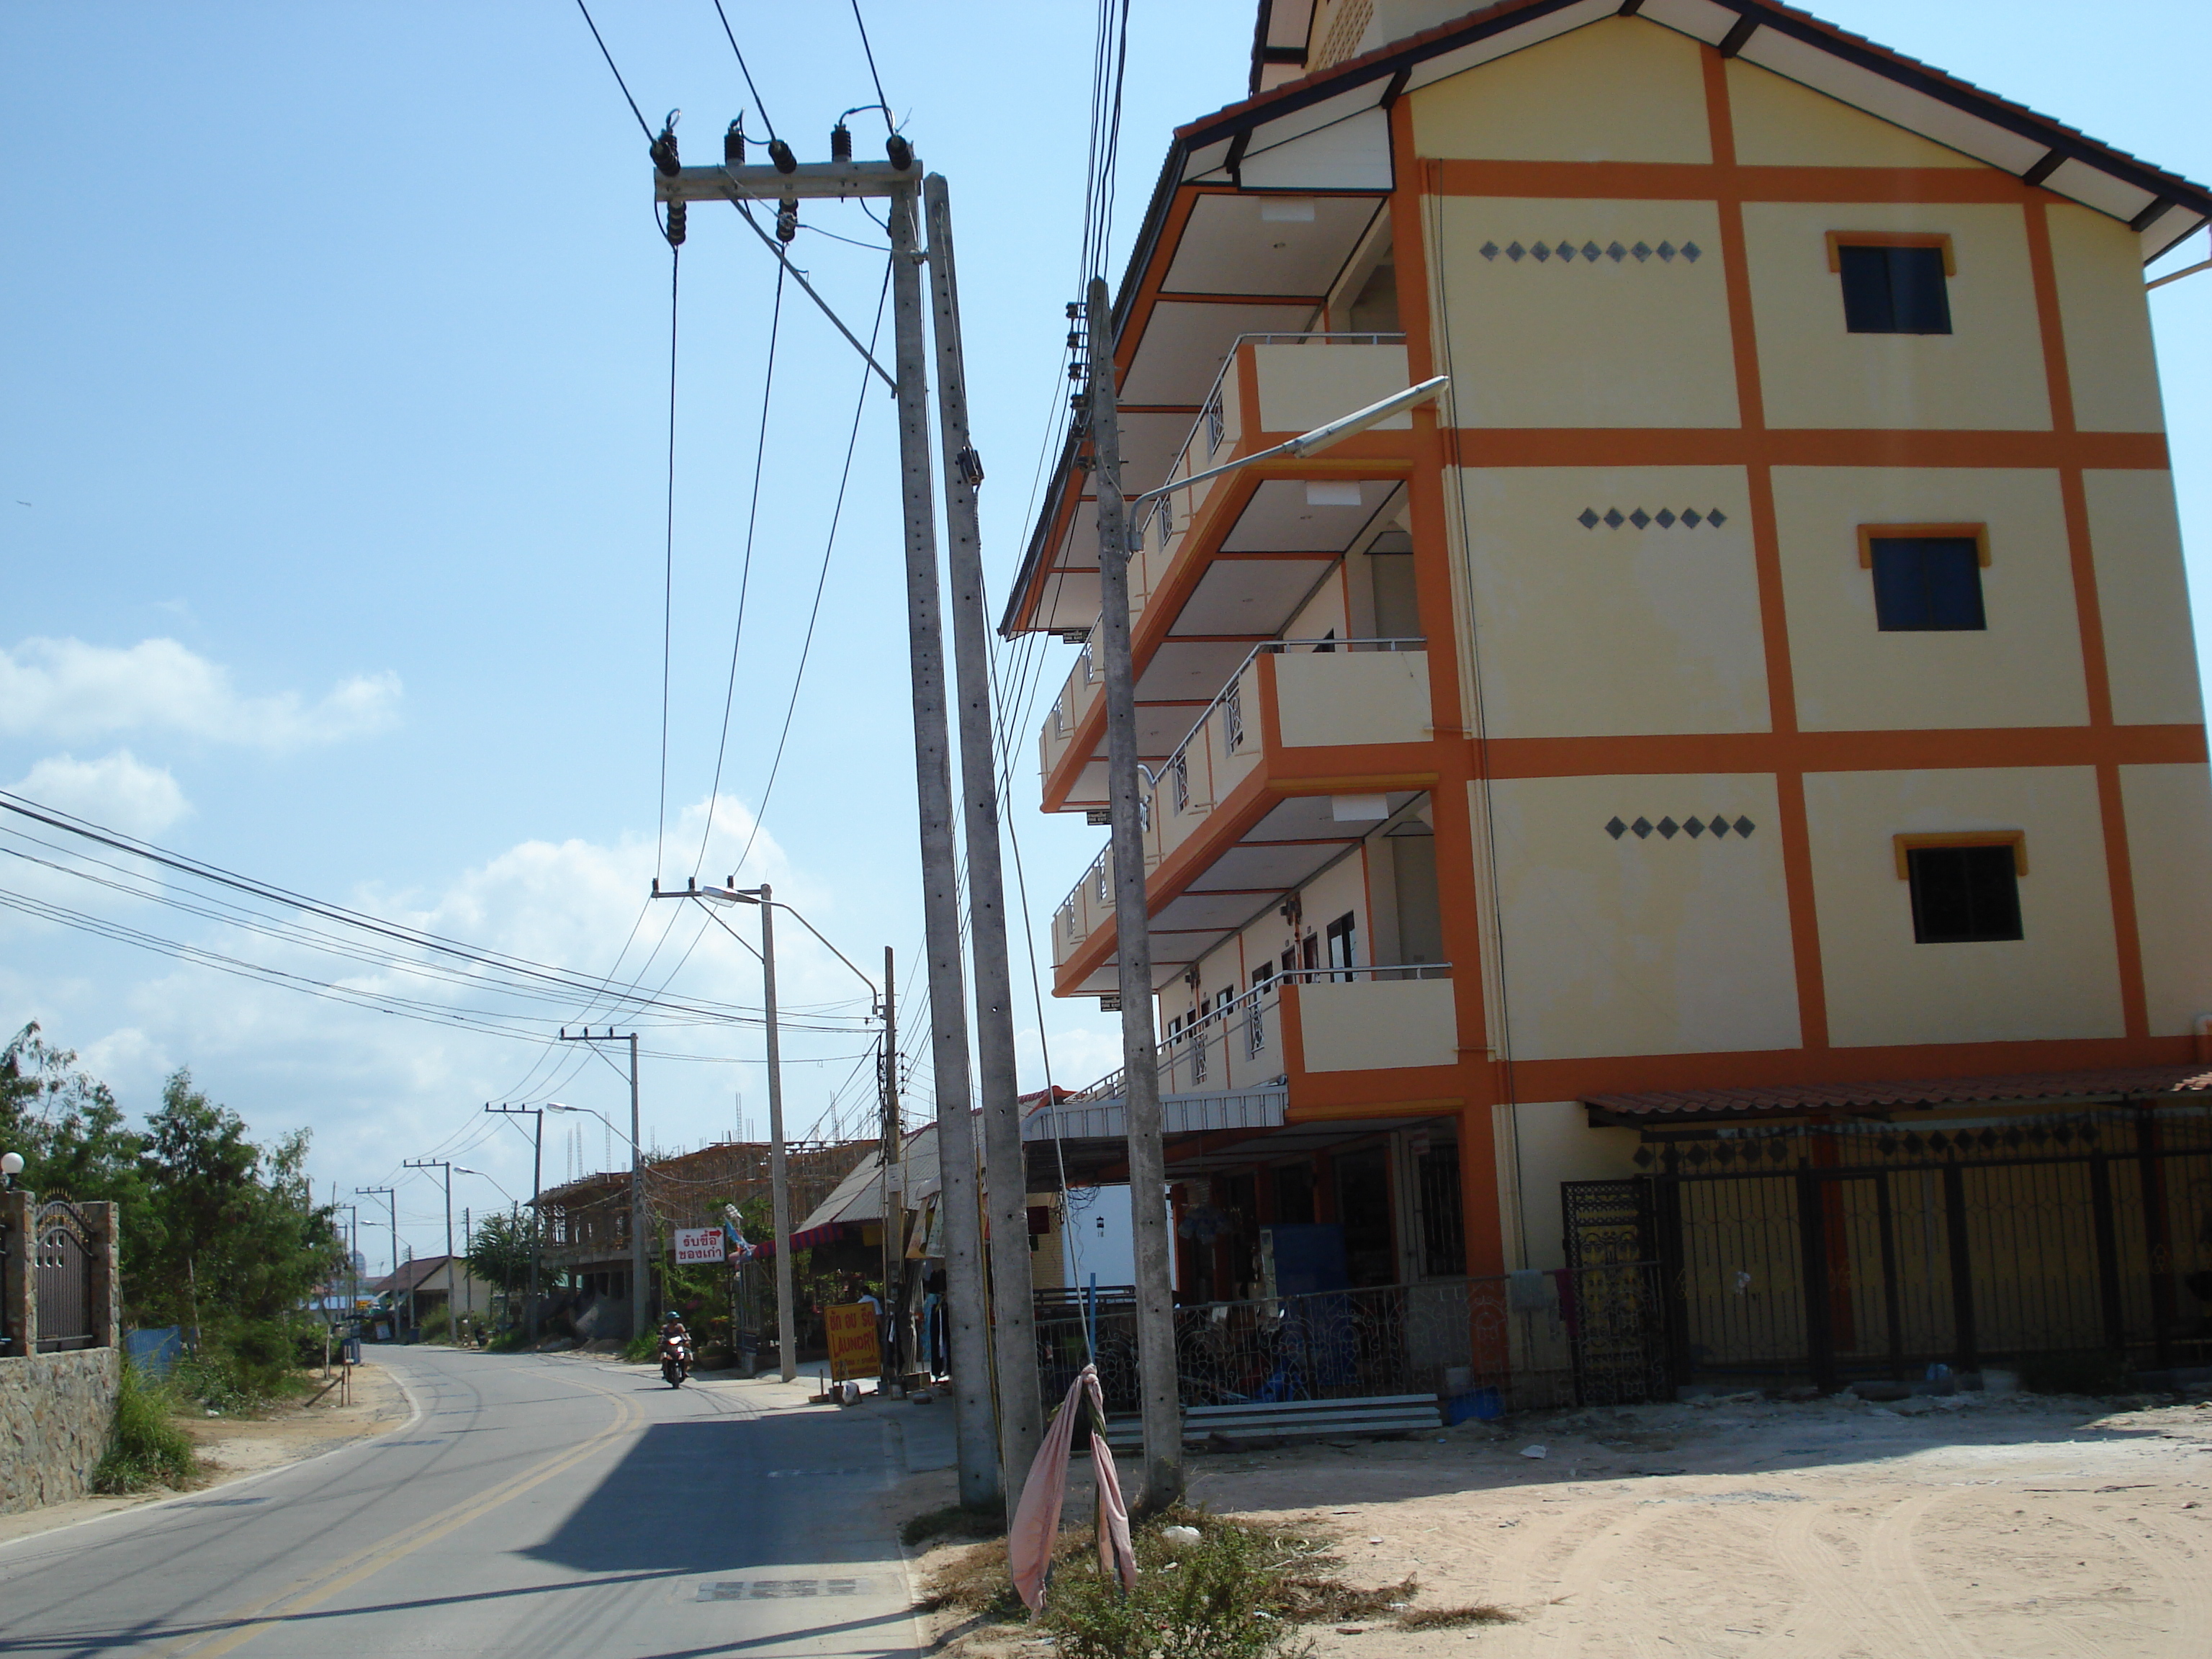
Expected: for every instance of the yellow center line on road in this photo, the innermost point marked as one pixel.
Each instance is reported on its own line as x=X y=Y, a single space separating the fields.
x=247 y=1622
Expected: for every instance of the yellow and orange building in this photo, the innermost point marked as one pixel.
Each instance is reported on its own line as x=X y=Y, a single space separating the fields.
x=1729 y=777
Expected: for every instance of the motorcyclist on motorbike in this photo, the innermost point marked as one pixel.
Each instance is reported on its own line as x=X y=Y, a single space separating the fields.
x=675 y=1350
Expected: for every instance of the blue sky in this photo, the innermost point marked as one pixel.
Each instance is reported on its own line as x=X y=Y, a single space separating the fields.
x=336 y=346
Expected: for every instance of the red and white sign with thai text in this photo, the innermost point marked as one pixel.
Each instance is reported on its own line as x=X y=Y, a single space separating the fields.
x=698 y=1244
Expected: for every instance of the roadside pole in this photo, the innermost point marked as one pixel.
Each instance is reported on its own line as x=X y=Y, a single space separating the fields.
x=898 y=181
x=1021 y=1408
x=537 y=1165
x=1160 y=1396
x=966 y=1310
x=440 y=1165
x=779 y=1168
x=894 y=1204
x=641 y=1269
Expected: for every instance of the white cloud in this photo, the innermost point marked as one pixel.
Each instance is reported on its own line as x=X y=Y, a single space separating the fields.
x=66 y=689
x=117 y=790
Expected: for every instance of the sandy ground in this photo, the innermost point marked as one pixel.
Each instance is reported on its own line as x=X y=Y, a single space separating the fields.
x=231 y=1448
x=1971 y=1526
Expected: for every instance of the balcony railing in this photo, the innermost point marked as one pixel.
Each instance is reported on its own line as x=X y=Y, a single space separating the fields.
x=1239 y=1043
x=1326 y=691
x=1361 y=368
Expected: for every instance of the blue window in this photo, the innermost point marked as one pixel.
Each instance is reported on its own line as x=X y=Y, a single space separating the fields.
x=1894 y=290
x=1927 y=583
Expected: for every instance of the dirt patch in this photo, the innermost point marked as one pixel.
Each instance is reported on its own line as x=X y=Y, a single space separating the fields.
x=2020 y=1526
x=232 y=1446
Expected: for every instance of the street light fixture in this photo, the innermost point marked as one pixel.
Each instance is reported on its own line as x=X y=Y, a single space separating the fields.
x=11 y=1165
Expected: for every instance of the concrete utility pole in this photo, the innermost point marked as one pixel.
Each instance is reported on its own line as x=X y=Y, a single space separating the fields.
x=536 y=1168
x=1021 y=1409
x=967 y=1312
x=391 y=1211
x=1159 y=1395
x=894 y=1203
x=440 y=1164
x=779 y=1167
x=640 y=1267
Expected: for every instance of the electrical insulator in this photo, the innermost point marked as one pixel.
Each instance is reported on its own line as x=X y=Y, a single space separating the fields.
x=900 y=151
x=663 y=149
x=676 y=217
x=970 y=464
x=1074 y=341
x=840 y=142
x=786 y=221
x=734 y=144
x=1075 y=311
x=1075 y=370
x=780 y=153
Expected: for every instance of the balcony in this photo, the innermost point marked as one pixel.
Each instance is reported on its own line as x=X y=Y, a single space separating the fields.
x=1191 y=616
x=1312 y=1020
x=1263 y=775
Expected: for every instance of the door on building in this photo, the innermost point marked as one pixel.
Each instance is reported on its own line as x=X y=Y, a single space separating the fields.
x=1343 y=944
x=1362 y=1206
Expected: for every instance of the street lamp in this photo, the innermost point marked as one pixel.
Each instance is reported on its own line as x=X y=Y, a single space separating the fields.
x=11 y=1165
x=1159 y=1395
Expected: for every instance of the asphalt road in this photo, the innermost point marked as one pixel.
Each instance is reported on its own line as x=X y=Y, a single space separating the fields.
x=538 y=1506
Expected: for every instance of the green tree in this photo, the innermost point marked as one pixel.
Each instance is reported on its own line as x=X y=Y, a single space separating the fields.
x=499 y=1251
x=75 y=1141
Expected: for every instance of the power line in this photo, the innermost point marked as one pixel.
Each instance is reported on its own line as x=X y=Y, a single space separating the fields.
x=882 y=102
x=766 y=120
x=744 y=575
x=643 y=126
x=668 y=564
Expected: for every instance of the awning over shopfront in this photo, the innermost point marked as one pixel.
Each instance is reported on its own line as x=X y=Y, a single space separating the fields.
x=1655 y=1107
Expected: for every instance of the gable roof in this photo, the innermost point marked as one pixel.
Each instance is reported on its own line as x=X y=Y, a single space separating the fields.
x=1328 y=133
x=2161 y=206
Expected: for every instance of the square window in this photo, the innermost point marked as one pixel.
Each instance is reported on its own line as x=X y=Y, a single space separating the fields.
x=1927 y=583
x=1961 y=895
x=1895 y=291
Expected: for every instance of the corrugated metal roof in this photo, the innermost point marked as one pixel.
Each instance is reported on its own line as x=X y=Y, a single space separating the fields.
x=2127 y=1083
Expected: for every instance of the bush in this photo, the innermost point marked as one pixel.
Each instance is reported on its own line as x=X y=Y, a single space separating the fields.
x=435 y=1323
x=642 y=1350
x=144 y=1447
x=1213 y=1599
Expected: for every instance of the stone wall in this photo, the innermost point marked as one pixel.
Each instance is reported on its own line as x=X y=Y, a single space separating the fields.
x=55 y=1410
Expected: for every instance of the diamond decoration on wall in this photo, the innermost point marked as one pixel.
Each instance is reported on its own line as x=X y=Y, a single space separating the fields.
x=1666 y=250
x=1612 y=517
x=1666 y=518
x=1489 y=250
x=1639 y=518
x=1668 y=827
x=1566 y=250
x=1615 y=828
x=1591 y=250
x=1715 y=519
x=1643 y=828
x=1690 y=517
x=1641 y=251
x=1719 y=826
x=1588 y=519
x=1690 y=251
x=1744 y=826
x=1695 y=828
x=1616 y=253
x=1514 y=252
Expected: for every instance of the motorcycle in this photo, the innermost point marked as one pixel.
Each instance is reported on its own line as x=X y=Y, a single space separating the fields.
x=675 y=1360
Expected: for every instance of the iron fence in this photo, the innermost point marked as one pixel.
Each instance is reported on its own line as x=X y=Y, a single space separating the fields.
x=1841 y=1251
x=64 y=1239
x=1593 y=1336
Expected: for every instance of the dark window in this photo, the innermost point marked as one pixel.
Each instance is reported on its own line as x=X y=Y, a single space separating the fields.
x=1923 y=583
x=1294 y=1194
x=1362 y=1206
x=1443 y=1247
x=1342 y=943
x=1895 y=291
x=1962 y=894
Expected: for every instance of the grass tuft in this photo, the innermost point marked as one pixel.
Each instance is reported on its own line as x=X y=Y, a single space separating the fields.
x=952 y=1520
x=144 y=1447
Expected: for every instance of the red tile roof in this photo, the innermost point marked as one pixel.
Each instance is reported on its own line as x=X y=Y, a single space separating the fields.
x=2133 y=1082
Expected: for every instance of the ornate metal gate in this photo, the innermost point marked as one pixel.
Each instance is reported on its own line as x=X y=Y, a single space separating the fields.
x=1617 y=1336
x=64 y=1242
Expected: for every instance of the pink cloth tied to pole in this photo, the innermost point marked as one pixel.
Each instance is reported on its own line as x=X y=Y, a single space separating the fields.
x=1028 y=1544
